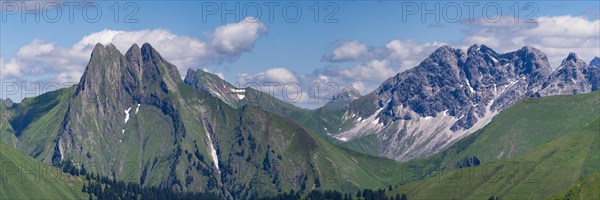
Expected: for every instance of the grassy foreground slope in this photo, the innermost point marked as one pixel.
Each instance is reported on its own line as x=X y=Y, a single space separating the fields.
x=587 y=189
x=7 y=134
x=23 y=177
x=553 y=166
x=523 y=127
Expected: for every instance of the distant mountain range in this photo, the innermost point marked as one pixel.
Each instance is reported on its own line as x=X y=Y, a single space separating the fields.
x=132 y=118
x=453 y=93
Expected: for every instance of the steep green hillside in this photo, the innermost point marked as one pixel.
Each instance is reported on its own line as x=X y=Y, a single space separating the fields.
x=7 y=134
x=36 y=120
x=213 y=85
x=22 y=177
x=132 y=118
x=325 y=120
x=587 y=189
x=553 y=166
x=523 y=128
x=268 y=152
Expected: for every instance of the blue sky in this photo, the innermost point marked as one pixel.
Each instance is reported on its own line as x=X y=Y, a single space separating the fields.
x=365 y=41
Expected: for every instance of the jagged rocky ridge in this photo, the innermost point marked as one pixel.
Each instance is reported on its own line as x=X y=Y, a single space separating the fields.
x=453 y=93
x=132 y=118
x=572 y=77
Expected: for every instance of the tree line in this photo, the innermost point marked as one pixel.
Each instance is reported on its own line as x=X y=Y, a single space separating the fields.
x=103 y=187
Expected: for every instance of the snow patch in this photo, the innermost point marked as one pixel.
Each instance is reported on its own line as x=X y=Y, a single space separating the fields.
x=138 y=108
x=238 y=90
x=241 y=96
x=127 y=114
x=216 y=93
x=213 y=152
x=494 y=59
x=469 y=85
x=508 y=86
x=240 y=93
x=368 y=125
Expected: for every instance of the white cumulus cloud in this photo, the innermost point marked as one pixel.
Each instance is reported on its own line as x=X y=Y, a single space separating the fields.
x=233 y=39
x=43 y=60
x=348 y=51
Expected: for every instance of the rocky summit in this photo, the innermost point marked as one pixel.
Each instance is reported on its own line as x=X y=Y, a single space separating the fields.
x=573 y=76
x=453 y=93
x=132 y=118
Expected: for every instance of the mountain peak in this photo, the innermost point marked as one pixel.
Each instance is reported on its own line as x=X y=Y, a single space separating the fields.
x=101 y=50
x=443 y=48
x=573 y=57
x=595 y=62
x=98 y=46
x=111 y=47
x=7 y=102
x=149 y=53
x=190 y=72
x=134 y=49
x=572 y=77
x=574 y=61
x=529 y=49
x=444 y=53
x=347 y=93
x=476 y=48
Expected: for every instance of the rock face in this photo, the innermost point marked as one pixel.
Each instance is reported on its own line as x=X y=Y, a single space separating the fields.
x=6 y=102
x=104 y=113
x=595 y=62
x=343 y=98
x=213 y=85
x=572 y=77
x=346 y=94
x=132 y=118
x=453 y=93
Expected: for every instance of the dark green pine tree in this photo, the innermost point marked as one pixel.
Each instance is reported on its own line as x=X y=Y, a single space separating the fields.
x=403 y=197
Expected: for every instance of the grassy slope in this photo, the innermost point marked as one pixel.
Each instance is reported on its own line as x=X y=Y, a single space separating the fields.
x=327 y=121
x=522 y=128
x=328 y=116
x=551 y=167
x=302 y=151
x=37 y=120
x=23 y=177
x=587 y=189
x=7 y=134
